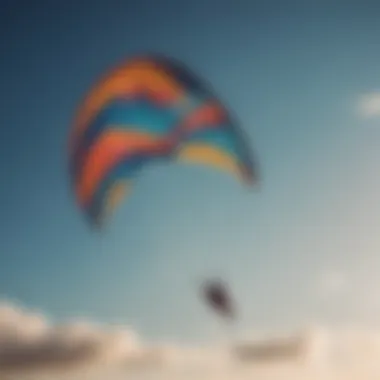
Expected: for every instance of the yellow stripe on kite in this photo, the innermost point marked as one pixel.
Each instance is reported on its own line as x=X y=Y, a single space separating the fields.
x=114 y=197
x=208 y=155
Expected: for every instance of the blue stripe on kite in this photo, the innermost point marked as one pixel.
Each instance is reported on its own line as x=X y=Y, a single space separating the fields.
x=222 y=138
x=140 y=115
x=150 y=117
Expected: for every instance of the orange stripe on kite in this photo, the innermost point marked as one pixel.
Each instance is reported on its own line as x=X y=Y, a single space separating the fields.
x=211 y=114
x=126 y=82
x=107 y=152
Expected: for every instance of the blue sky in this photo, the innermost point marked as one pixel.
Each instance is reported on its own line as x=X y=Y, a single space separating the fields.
x=293 y=74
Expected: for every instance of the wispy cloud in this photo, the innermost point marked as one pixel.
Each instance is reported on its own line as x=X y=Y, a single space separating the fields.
x=30 y=344
x=369 y=105
x=331 y=283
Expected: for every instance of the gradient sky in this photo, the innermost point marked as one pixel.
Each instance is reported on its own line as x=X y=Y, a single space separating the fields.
x=306 y=246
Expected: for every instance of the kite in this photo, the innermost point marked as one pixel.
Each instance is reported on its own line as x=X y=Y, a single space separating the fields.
x=149 y=109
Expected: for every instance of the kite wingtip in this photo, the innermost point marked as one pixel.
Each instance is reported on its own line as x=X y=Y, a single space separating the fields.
x=253 y=183
x=96 y=225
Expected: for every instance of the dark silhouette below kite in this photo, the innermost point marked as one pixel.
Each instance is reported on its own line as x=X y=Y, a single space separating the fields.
x=218 y=297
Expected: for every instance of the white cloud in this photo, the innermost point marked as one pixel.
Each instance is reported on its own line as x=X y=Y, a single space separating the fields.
x=30 y=344
x=369 y=105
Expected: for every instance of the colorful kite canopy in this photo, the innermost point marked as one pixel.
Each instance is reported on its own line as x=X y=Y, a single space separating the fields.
x=148 y=109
